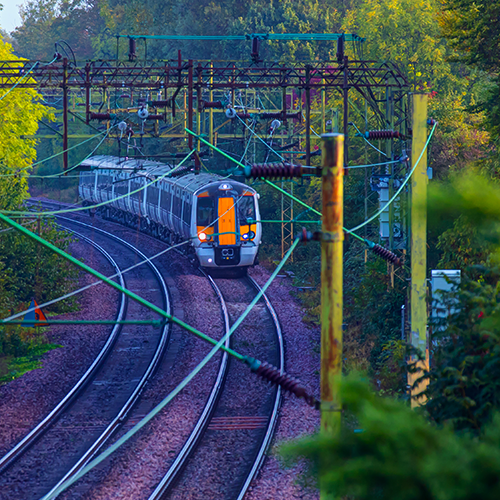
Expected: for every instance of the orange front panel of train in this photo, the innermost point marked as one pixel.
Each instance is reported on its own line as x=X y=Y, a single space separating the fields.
x=227 y=221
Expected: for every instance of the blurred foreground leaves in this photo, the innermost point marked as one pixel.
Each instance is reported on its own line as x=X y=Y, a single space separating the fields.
x=398 y=454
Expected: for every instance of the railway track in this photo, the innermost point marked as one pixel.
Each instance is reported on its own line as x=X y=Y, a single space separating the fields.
x=70 y=436
x=228 y=446
x=32 y=436
x=255 y=427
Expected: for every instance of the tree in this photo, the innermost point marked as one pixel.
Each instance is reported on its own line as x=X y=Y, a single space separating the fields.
x=463 y=386
x=20 y=112
x=473 y=29
x=387 y=451
x=44 y=22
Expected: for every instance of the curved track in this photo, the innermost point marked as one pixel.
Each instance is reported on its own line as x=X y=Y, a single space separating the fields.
x=255 y=429
x=11 y=456
x=84 y=426
x=228 y=445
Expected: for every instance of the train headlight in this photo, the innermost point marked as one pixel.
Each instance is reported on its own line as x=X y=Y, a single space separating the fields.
x=202 y=236
x=225 y=187
x=248 y=236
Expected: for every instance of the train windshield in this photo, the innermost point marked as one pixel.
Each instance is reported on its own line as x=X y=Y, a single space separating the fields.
x=205 y=212
x=246 y=209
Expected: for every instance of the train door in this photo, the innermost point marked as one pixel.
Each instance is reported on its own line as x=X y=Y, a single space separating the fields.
x=227 y=221
x=227 y=253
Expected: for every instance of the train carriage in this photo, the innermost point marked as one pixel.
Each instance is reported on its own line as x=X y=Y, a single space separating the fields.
x=214 y=214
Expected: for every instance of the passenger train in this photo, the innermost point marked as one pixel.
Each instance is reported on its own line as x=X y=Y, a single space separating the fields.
x=216 y=216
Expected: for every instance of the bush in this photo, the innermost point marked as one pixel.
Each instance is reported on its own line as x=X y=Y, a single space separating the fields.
x=398 y=455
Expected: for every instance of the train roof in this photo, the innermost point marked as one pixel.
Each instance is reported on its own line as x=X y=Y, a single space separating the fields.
x=189 y=182
x=124 y=163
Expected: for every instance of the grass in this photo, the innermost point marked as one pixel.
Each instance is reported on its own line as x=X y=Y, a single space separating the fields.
x=14 y=367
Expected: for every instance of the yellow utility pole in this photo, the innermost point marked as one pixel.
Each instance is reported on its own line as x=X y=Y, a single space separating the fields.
x=419 y=182
x=331 y=282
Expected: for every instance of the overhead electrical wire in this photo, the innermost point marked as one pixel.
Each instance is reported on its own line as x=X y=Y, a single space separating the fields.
x=25 y=75
x=78 y=209
x=90 y=285
x=96 y=461
x=403 y=184
x=367 y=141
x=350 y=231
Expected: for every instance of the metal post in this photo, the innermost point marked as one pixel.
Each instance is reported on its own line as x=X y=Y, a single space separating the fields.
x=345 y=94
x=331 y=281
x=389 y=119
x=211 y=97
x=190 y=102
x=323 y=108
x=418 y=309
x=65 y=114
x=87 y=93
x=308 y=115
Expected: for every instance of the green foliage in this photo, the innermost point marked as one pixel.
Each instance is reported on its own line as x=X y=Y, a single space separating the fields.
x=462 y=247
x=35 y=271
x=463 y=389
x=44 y=22
x=220 y=18
x=472 y=28
x=373 y=316
x=398 y=455
x=20 y=113
x=464 y=382
x=20 y=352
x=28 y=271
x=472 y=196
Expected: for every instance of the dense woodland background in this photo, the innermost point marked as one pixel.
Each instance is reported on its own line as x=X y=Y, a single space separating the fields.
x=448 y=48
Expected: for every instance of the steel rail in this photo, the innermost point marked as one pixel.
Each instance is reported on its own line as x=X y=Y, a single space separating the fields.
x=30 y=438
x=273 y=419
x=122 y=414
x=167 y=483
x=194 y=438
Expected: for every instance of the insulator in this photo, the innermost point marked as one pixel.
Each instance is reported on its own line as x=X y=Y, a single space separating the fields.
x=143 y=113
x=230 y=113
x=160 y=104
x=384 y=134
x=131 y=49
x=386 y=255
x=305 y=235
x=274 y=171
x=101 y=116
x=155 y=117
x=180 y=171
x=255 y=49
x=244 y=116
x=213 y=104
x=279 y=114
x=271 y=374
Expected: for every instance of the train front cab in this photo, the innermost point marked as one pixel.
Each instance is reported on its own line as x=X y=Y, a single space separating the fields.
x=226 y=237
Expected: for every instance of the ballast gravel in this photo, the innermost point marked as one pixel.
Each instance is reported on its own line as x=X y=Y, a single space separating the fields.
x=135 y=469
x=25 y=401
x=297 y=419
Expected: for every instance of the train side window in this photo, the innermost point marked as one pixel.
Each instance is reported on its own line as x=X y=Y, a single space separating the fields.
x=205 y=211
x=186 y=212
x=152 y=194
x=177 y=204
x=246 y=209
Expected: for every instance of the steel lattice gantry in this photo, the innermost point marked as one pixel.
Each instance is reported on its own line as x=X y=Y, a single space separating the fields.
x=195 y=77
